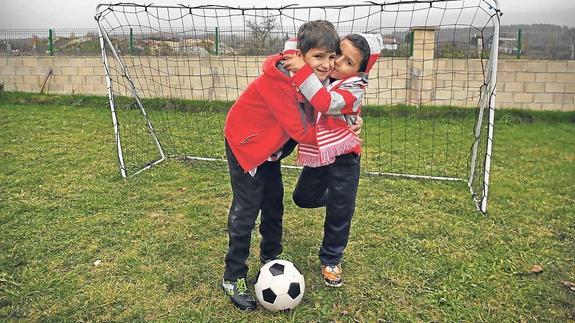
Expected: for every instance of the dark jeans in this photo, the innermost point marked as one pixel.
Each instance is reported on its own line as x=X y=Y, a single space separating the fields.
x=263 y=192
x=335 y=187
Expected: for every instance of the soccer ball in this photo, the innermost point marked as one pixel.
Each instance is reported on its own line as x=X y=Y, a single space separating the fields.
x=279 y=286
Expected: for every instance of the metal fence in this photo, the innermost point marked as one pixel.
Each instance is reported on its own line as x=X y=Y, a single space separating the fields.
x=537 y=42
x=531 y=42
x=40 y=42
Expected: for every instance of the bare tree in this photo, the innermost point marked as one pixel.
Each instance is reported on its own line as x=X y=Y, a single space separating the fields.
x=262 y=40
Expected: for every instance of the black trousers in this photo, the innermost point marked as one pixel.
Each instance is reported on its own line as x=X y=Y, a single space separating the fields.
x=335 y=187
x=262 y=192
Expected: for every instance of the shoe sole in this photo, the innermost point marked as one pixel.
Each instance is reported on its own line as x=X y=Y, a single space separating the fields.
x=333 y=285
x=245 y=309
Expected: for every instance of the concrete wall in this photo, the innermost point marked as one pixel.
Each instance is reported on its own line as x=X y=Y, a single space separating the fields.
x=70 y=75
x=522 y=84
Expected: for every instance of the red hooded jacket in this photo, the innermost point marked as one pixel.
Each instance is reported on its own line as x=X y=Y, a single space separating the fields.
x=265 y=117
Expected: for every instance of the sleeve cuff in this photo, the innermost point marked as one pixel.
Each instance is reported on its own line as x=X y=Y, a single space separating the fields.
x=301 y=75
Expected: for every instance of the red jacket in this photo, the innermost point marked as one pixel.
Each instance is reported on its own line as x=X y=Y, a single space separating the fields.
x=265 y=116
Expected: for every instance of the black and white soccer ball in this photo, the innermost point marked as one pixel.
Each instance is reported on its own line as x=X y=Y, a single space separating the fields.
x=279 y=286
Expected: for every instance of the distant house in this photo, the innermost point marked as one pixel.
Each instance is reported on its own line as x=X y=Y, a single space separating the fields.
x=195 y=46
x=201 y=47
x=390 y=43
x=508 y=45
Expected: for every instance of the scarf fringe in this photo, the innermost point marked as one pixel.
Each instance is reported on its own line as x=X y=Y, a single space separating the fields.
x=328 y=154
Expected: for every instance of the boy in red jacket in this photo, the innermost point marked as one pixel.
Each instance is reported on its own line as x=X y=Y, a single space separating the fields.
x=257 y=132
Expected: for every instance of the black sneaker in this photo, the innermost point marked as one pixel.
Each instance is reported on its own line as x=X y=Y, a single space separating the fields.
x=237 y=291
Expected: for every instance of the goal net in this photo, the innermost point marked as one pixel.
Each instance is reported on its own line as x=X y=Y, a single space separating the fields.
x=174 y=71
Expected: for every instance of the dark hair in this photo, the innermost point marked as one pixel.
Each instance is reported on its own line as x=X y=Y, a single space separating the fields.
x=360 y=43
x=317 y=34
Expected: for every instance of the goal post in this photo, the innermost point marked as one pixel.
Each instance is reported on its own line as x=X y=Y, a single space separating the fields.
x=172 y=73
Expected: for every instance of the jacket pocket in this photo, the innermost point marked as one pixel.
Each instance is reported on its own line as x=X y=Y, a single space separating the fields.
x=247 y=139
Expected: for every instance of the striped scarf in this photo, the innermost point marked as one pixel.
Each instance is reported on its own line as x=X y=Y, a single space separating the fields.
x=333 y=139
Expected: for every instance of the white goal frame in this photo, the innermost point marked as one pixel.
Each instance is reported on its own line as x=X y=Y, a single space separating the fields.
x=119 y=72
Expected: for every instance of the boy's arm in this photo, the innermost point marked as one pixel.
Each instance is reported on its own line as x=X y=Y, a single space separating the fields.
x=279 y=99
x=345 y=100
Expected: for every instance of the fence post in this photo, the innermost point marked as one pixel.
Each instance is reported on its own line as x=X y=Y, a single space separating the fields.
x=50 y=42
x=131 y=41
x=420 y=65
x=410 y=48
x=217 y=41
x=519 y=44
x=572 y=48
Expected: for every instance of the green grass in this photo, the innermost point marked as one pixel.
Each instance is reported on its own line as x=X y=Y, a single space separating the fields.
x=419 y=251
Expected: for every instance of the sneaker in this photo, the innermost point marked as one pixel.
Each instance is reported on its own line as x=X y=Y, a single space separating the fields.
x=237 y=291
x=332 y=275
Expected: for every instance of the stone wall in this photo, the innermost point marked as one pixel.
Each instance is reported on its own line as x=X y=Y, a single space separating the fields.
x=522 y=84
x=70 y=75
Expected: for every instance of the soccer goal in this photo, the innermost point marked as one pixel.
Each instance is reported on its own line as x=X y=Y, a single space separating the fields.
x=173 y=72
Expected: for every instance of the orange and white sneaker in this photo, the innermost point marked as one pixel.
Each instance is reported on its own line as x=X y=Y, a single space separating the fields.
x=332 y=275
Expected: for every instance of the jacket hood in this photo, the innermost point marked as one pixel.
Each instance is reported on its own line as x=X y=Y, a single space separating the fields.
x=272 y=69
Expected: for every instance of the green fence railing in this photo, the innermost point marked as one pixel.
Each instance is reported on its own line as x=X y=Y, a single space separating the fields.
x=518 y=41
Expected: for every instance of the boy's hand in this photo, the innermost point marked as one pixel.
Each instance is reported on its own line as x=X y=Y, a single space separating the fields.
x=293 y=63
x=356 y=128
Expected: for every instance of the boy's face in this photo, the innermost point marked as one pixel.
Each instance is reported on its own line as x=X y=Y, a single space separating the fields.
x=321 y=62
x=348 y=63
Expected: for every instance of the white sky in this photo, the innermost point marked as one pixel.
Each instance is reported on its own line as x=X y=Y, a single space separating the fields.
x=28 y=14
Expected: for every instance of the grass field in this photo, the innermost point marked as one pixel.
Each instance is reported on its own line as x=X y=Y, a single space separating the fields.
x=78 y=243
x=399 y=139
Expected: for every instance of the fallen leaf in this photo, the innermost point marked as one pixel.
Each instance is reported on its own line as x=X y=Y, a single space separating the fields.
x=536 y=269
x=569 y=285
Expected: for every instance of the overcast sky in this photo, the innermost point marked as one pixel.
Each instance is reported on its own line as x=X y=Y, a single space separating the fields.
x=27 y=14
